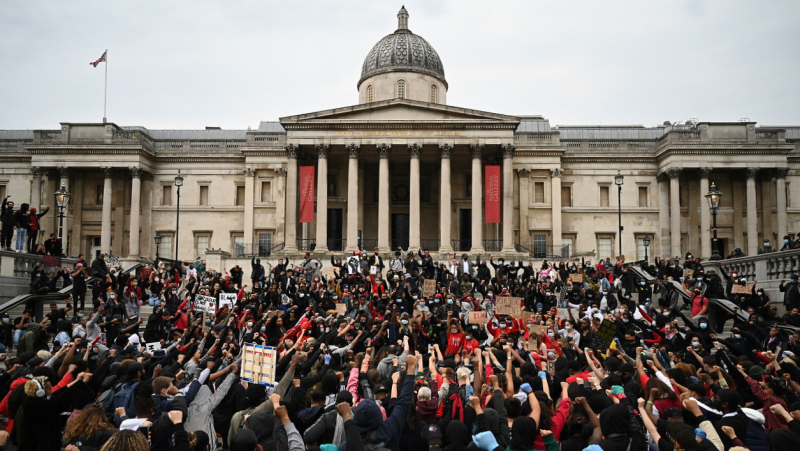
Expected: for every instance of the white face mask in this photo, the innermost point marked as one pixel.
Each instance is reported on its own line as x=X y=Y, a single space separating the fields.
x=249 y=324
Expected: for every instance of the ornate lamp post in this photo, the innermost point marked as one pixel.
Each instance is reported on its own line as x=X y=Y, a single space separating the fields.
x=714 y=195
x=62 y=200
x=618 y=181
x=157 y=239
x=178 y=184
x=646 y=242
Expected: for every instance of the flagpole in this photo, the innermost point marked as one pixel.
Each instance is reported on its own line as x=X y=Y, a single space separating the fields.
x=105 y=89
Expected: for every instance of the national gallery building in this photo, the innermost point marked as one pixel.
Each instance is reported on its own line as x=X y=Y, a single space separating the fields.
x=403 y=168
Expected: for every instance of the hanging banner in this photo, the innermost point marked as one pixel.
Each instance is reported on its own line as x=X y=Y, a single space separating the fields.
x=306 y=193
x=493 y=188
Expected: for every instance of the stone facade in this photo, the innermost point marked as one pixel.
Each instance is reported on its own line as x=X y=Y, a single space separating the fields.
x=409 y=172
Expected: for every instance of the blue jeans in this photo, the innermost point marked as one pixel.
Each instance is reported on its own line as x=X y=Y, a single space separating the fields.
x=18 y=333
x=21 y=234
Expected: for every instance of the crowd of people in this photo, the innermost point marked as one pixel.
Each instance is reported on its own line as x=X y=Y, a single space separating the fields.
x=372 y=355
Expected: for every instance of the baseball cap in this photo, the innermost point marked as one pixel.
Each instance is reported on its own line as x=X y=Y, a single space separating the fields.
x=672 y=412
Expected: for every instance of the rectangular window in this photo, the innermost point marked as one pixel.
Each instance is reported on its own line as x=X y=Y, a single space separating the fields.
x=332 y=191
x=3 y=192
x=238 y=246
x=566 y=246
x=166 y=195
x=566 y=196
x=468 y=185
x=538 y=192
x=264 y=243
x=539 y=246
x=640 y=248
x=604 y=196
x=266 y=191
x=98 y=200
x=605 y=247
x=201 y=245
x=204 y=195
x=165 y=248
x=788 y=199
x=643 y=197
x=240 y=195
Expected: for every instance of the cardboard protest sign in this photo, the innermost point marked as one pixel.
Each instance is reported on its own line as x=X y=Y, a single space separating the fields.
x=598 y=343
x=688 y=273
x=227 y=299
x=607 y=330
x=154 y=346
x=538 y=329
x=258 y=364
x=507 y=305
x=620 y=258
x=576 y=278
x=525 y=316
x=742 y=289
x=563 y=313
x=330 y=272
x=341 y=308
x=206 y=304
x=477 y=317
x=429 y=288
x=112 y=260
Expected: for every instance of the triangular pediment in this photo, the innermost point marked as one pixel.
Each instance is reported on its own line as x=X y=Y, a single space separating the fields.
x=398 y=111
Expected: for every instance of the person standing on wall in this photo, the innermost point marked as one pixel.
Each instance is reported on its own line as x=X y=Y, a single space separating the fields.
x=33 y=229
x=7 y=219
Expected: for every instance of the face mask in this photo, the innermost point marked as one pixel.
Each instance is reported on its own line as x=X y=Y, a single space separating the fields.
x=588 y=295
x=785 y=241
x=502 y=325
x=301 y=295
x=627 y=296
x=5 y=320
x=263 y=328
x=112 y=297
x=400 y=300
x=695 y=344
x=80 y=315
x=766 y=244
x=703 y=325
x=689 y=257
x=414 y=297
x=568 y=327
x=490 y=294
x=404 y=321
x=334 y=296
x=666 y=314
x=208 y=321
x=700 y=279
x=436 y=301
x=642 y=283
x=548 y=294
x=605 y=293
x=449 y=301
x=625 y=320
x=249 y=324
x=468 y=337
x=738 y=336
x=551 y=335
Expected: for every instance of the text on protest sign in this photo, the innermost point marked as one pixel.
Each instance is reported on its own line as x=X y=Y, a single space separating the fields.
x=205 y=304
x=227 y=299
x=429 y=288
x=507 y=305
x=154 y=346
x=477 y=317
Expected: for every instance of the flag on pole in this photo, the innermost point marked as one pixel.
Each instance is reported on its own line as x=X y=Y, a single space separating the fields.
x=102 y=59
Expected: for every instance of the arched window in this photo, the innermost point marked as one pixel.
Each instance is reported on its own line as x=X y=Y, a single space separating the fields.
x=433 y=93
x=369 y=94
x=401 y=89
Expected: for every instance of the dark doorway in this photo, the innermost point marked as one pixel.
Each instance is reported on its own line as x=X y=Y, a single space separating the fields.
x=721 y=244
x=335 y=242
x=464 y=242
x=400 y=230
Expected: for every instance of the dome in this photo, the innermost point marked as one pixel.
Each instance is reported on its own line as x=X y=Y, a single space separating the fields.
x=403 y=51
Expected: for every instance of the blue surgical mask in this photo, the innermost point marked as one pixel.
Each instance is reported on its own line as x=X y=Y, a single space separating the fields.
x=703 y=325
x=208 y=321
x=700 y=279
x=502 y=325
x=627 y=296
x=568 y=327
x=738 y=336
x=80 y=315
x=605 y=293
x=548 y=294
x=415 y=297
x=5 y=320
x=695 y=344
x=642 y=283
x=468 y=337
x=404 y=321
x=263 y=328
x=449 y=301
x=400 y=300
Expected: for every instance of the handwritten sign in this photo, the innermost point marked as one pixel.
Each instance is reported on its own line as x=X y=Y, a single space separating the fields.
x=341 y=308
x=152 y=347
x=607 y=330
x=576 y=278
x=429 y=288
x=112 y=260
x=205 y=304
x=227 y=299
x=258 y=364
x=507 y=305
x=620 y=259
x=742 y=289
x=477 y=317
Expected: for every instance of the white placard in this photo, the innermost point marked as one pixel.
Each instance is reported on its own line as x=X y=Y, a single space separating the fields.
x=227 y=299
x=258 y=364
x=112 y=261
x=154 y=346
x=206 y=304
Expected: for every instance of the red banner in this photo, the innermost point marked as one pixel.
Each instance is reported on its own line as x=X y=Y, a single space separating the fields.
x=493 y=188
x=306 y=193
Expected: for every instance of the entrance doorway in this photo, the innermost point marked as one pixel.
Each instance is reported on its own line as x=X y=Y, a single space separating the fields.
x=95 y=249
x=464 y=230
x=335 y=220
x=400 y=230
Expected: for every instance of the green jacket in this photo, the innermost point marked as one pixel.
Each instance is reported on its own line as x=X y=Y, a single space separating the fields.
x=29 y=338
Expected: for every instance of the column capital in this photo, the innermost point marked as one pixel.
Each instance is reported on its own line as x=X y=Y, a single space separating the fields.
x=108 y=172
x=136 y=172
x=323 y=150
x=705 y=172
x=673 y=173
x=353 y=151
x=752 y=173
x=63 y=172
x=445 y=149
x=281 y=172
x=36 y=171
x=556 y=172
x=249 y=172
x=384 y=150
x=476 y=150
x=523 y=172
x=415 y=150
x=781 y=173
x=292 y=151
x=508 y=150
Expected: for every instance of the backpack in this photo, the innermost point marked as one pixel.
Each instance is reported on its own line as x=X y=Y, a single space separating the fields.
x=453 y=406
x=106 y=399
x=124 y=398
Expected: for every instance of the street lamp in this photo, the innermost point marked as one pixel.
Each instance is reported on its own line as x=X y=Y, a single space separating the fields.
x=713 y=197
x=646 y=242
x=178 y=184
x=62 y=200
x=157 y=239
x=618 y=181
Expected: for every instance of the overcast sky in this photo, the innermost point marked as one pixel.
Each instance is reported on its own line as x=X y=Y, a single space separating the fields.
x=192 y=63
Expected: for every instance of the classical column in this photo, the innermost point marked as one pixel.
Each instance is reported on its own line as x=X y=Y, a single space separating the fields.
x=353 y=151
x=414 y=151
x=508 y=197
x=477 y=199
x=36 y=189
x=290 y=240
x=752 y=214
x=705 y=215
x=323 y=150
x=105 y=227
x=280 y=208
x=780 y=188
x=384 y=151
x=663 y=215
x=445 y=203
x=136 y=208
x=63 y=173
x=675 y=211
x=249 y=201
x=524 y=202
x=555 y=208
